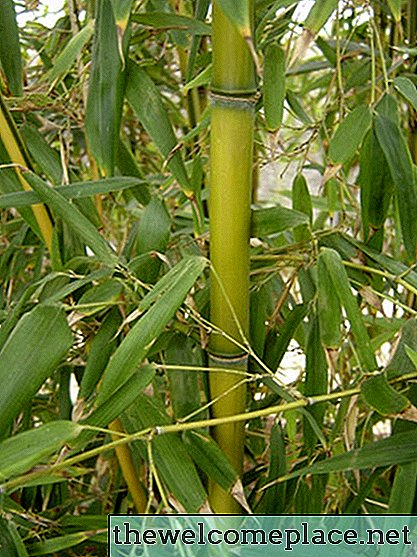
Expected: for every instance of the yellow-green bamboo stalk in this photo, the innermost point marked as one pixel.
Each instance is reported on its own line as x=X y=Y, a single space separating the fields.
x=233 y=87
x=130 y=474
x=17 y=155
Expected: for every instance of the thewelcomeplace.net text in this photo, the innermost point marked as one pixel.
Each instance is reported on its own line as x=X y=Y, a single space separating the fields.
x=287 y=538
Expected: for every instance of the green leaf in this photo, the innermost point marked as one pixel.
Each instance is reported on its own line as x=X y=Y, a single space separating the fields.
x=100 y=297
x=316 y=378
x=319 y=14
x=106 y=90
x=68 y=56
x=328 y=307
x=171 y=459
x=73 y=218
x=77 y=190
x=275 y=219
x=59 y=543
x=301 y=201
x=20 y=453
x=102 y=346
x=183 y=383
x=407 y=89
x=10 y=57
x=349 y=135
x=145 y=99
x=340 y=280
x=207 y=455
x=30 y=355
x=383 y=398
x=397 y=449
x=395 y=7
x=399 y=160
x=171 y=291
x=274 y=86
x=118 y=402
x=376 y=183
x=403 y=491
x=153 y=236
x=164 y=21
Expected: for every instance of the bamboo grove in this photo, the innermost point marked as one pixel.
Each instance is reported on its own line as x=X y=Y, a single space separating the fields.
x=208 y=242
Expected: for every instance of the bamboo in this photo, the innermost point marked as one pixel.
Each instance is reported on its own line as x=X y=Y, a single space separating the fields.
x=233 y=87
x=17 y=154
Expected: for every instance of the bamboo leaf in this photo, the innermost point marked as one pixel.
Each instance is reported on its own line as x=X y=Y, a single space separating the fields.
x=275 y=219
x=68 y=56
x=316 y=378
x=59 y=543
x=349 y=135
x=376 y=183
x=153 y=236
x=183 y=383
x=171 y=459
x=383 y=398
x=77 y=190
x=301 y=201
x=119 y=400
x=100 y=297
x=207 y=455
x=400 y=164
x=106 y=90
x=397 y=449
x=23 y=365
x=328 y=307
x=20 y=453
x=134 y=347
x=274 y=86
x=339 y=277
x=403 y=491
x=319 y=14
x=102 y=346
x=146 y=101
x=164 y=21
x=395 y=7
x=10 y=57
x=73 y=218
x=407 y=89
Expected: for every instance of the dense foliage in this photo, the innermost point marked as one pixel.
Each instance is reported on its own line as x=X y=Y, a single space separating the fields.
x=105 y=402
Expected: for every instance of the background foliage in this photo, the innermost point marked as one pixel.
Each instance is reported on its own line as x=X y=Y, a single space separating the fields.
x=104 y=121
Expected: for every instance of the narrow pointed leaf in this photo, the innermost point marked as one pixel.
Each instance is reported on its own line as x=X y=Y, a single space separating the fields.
x=20 y=453
x=339 y=277
x=32 y=352
x=275 y=219
x=77 y=190
x=397 y=449
x=383 y=398
x=395 y=7
x=73 y=218
x=161 y=20
x=68 y=56
x=207 y=455
x=407 y=89
x=10 y=57
x=319 y=14
x=145 y=99
x=328 y=307
x=274 y=86
x=399 y=160
x=143 y=334
x=403 y=491
x=349 y=135
x=106 y=89
x=172 y=461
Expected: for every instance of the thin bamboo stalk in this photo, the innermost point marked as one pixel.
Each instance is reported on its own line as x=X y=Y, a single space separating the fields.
x=233 y=87
x=17 y=154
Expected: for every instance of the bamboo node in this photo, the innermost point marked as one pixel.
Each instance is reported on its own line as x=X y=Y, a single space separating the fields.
x=246 y=103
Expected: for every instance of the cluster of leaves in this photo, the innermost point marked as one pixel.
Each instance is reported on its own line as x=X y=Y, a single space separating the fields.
x=110 y=131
